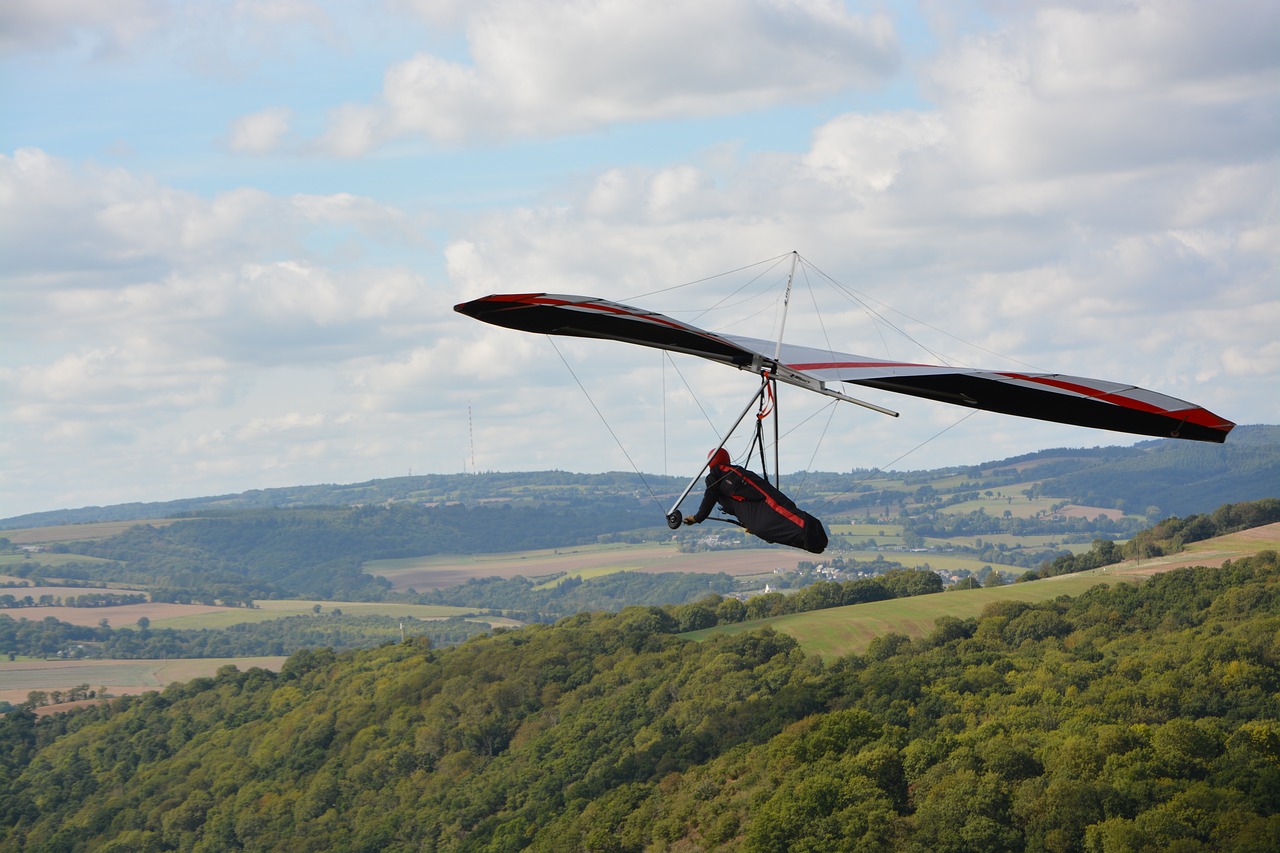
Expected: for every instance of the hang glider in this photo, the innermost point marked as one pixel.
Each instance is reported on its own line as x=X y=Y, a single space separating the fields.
x=1043 y=396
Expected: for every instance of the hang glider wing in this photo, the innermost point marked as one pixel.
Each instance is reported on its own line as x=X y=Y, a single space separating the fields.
x=1044 y=396
x=588 y=317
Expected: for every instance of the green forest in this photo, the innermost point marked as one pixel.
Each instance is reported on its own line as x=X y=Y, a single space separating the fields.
x=1134 y=717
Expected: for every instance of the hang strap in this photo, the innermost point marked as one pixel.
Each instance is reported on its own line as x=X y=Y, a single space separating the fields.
x=766 y=408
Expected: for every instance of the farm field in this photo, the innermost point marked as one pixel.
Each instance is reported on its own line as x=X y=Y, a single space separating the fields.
x=223 y=617
x=36 y=592
x=934 y=559
x=588 y=561
x=866 y=530
x=437 y=572
x=1021 y=507
x=46 y=558
x=124 y=616
x=1009 y=539
x=210 y=616
x=18 y=678
x=863 y=528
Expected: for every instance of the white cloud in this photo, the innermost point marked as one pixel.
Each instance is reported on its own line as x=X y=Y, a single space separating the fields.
x=541 y=69
x=293 y=422
x=260 y=132
x=214 y=37
x=56 y=217
x=36 y=25
x=868 y=151
x=118 y=382
x=1113 y=88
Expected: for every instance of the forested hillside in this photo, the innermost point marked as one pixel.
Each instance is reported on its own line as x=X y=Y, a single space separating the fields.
x=1179 y=477
x=554 y=487
x=1137 y=717
x=319 y=552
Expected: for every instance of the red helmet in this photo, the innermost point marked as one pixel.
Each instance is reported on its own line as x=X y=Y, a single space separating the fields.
x=719 y=456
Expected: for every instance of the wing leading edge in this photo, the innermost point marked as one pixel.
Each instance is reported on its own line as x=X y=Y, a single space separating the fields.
x=1059 y=398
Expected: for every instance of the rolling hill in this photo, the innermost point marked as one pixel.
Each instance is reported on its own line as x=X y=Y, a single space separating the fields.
x=1175 y=477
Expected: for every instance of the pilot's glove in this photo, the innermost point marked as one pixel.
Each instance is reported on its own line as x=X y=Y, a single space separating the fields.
x=690 y=519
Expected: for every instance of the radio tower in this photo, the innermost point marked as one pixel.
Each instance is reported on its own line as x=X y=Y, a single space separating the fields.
x=471 y=432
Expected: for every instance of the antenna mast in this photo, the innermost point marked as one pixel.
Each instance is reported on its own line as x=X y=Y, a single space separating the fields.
x=471 y=432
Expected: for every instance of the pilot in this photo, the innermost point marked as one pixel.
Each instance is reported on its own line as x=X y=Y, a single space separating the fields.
x=759 y=507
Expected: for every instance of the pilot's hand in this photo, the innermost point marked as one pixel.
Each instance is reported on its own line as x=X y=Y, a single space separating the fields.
x=690 y=519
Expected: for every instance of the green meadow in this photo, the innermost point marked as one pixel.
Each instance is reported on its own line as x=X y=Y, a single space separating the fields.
x=845 y=630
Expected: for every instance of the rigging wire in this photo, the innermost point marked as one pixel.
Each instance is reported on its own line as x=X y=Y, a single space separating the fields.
x=692 y=393
x=720 y=304
x=773 y=261
x=856 y=296
x=817 y=312
x=604 y=421
x=880 y=470
x=724 y=303
x=878 y=320
x=831 y=413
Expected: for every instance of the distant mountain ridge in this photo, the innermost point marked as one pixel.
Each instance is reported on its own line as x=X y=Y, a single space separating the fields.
x=1175 y=477
x=1179 y=477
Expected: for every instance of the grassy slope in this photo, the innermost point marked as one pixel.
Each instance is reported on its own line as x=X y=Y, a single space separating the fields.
x=843 y=630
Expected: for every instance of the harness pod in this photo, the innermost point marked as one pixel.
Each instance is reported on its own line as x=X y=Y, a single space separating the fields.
x=764 y=511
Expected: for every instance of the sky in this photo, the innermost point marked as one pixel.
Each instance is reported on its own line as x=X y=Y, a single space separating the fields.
x=232 y=233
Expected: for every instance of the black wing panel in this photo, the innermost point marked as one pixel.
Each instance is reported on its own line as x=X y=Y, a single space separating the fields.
x=588 y=317
x=1113 y=411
